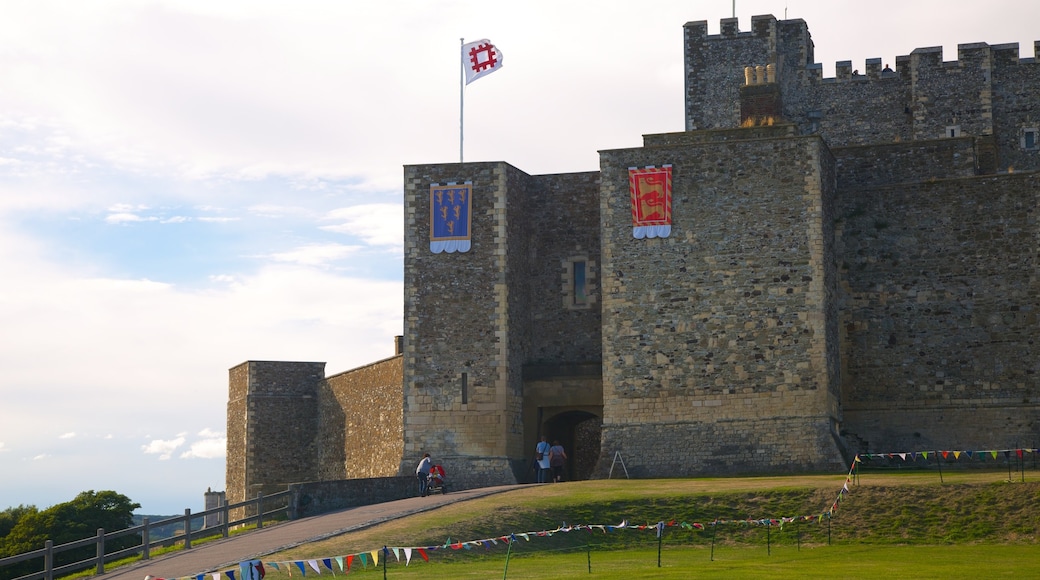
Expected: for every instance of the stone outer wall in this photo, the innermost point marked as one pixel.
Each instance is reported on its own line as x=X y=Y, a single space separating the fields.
x=236 y=429
x=360 y=412
x=272 y=419
x=319 y=497
x=940 y=312
x=870 y=166
x=726 y=327
x=561 y=223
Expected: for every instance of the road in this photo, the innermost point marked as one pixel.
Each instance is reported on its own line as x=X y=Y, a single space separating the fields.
x=225 y=554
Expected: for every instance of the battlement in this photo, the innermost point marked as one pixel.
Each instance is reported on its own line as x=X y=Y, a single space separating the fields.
x=762 y=26
x=770 y=71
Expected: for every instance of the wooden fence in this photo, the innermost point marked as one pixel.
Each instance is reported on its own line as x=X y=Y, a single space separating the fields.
x=256 y=510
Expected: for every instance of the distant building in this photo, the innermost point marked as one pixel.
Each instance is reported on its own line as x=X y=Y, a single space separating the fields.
x=814 y=267
x=214 y=500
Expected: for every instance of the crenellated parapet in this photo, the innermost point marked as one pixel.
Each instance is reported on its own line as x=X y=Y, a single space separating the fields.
x=989 y=92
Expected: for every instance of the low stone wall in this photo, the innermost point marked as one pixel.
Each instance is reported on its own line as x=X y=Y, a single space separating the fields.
x=319 y=497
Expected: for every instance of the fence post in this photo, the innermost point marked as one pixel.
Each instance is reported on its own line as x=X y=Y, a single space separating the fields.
x=226 y=518
x=48 y=560
x=145 y=539
x=100 y=550
x=187 y=528
x=259 y=510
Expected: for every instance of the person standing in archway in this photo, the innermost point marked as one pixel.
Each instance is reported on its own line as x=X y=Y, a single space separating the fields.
x=557 y=460
x=542 y=456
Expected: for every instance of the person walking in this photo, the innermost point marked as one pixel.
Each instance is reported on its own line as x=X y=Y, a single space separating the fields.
x=557 y=460
x=542 y=457
x=422 y=473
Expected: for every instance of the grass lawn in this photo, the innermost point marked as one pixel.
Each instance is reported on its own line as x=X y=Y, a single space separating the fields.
x=890 y=525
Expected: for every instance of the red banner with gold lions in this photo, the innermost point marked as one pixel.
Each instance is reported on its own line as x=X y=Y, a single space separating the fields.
x=651 y=189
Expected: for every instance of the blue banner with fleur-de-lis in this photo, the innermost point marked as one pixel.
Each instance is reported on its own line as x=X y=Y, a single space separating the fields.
x=450 y=211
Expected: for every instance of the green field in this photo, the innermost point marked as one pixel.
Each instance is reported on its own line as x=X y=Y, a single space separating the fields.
x=899 y=525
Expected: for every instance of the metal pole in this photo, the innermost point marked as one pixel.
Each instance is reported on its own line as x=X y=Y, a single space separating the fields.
x=509 y=550
x=588 y=555
x=385 y=554
x=939 y=463
x=769 y=549
x=660 y=535
x=462 y=90
x=715 y=530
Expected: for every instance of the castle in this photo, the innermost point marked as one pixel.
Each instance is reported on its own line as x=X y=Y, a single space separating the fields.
x=814 y=267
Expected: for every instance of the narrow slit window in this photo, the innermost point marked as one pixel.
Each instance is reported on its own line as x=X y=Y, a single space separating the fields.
x=465 y=388
x=581 y=296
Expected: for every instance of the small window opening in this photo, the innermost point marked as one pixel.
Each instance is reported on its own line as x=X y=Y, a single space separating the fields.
x=465 y=388
x=580 y=294
x=1029 y=139
x=953 y=131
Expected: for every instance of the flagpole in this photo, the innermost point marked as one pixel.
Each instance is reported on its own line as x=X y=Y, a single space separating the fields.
x=462 y=89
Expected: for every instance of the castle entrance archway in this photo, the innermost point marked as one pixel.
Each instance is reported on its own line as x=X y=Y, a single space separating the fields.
x=579 y=433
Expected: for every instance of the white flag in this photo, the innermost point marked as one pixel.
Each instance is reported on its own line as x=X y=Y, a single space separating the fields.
x=480 y=58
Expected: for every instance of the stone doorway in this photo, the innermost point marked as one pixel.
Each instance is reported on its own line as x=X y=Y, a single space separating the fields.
x=579 y=433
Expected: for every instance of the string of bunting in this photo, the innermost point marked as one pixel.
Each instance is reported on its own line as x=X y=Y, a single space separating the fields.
x=956 y=455
x=256 y=569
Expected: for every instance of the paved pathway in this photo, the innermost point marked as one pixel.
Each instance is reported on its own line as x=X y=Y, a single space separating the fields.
x=226 y=553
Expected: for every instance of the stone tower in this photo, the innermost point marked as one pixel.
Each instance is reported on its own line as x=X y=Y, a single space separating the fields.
x=497 y=344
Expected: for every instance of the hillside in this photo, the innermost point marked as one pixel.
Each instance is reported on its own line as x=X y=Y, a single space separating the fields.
x=882 y=509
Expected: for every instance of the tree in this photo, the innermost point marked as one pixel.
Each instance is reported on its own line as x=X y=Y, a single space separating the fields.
x=10 y=516
x=67 y=522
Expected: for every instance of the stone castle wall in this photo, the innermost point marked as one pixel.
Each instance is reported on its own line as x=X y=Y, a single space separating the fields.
x=719 y=335
x=361 y=417
x=940 y=311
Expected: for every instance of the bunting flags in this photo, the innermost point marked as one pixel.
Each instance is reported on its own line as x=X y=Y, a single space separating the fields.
x=947 y=454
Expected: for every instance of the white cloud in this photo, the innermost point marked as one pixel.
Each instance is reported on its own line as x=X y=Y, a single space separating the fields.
x=40 y=457
x=209 y=448
x=163 y=448
x=378 y=224
x=122 y=218
x=69 y=435
x=322 y=255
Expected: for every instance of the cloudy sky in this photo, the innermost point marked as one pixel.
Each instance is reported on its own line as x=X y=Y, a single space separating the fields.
x=187 y=185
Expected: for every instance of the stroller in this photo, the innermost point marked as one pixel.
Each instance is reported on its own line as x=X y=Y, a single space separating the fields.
x=436 y=482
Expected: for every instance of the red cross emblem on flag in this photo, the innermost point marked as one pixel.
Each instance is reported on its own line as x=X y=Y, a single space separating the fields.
x=480 y=58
